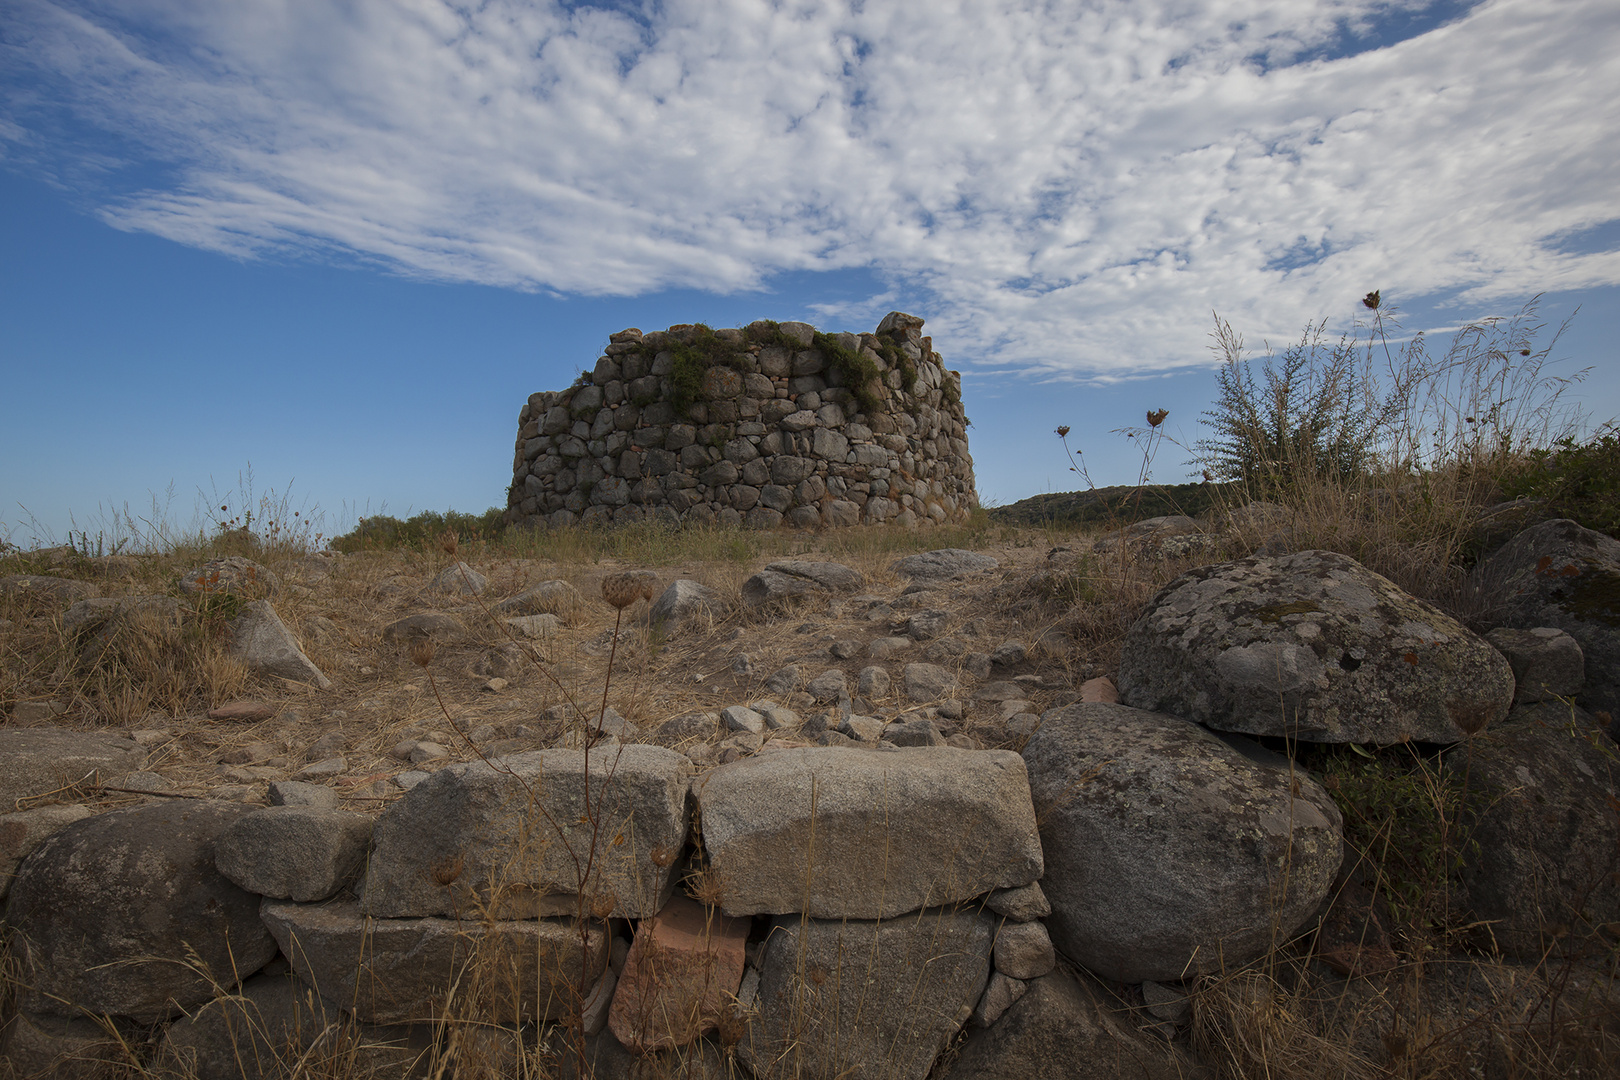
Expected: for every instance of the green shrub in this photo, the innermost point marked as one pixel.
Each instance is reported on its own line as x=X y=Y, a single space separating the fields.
x=1578 y=480
x=422 y=530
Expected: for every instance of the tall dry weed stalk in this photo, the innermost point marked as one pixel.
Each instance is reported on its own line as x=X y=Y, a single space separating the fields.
x=1378 y=450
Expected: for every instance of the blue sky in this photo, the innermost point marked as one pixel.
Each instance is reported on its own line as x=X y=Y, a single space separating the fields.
x=343 y=243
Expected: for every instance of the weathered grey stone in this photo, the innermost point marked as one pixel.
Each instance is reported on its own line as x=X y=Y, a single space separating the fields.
x=233 y=575
x=1311 y=646
x=302 y=793
x=942 y=565
x=867 y=729
x=783 y=680
x=1168 y=851
x=1558 y=574
x=828 y=686
x=682 y=602
x=22 y=832
x=301 y=853
x=884 y=647
x=997 y=998
x=742 y=718
x=42 y=760
x=1547 y=663
x=914 y=733
x=503 y=837
x=830 y=993
x=692 y=725
x=53 y=590
x=262 y=641
x=1541 y=862
x=874 y=683
x=1062 y=1028
x=101 y=623
x=459 y=579
x=837 y=832
x=557 y=598
x=392 y=971
x=274 y=1023
x=534 y=626
x=1024 y=950
x=927 y=682
x=428 y=625
x=37 y=1046
x=1022 y=904
x=795 y=577
x=927 y=625
x=112 y=909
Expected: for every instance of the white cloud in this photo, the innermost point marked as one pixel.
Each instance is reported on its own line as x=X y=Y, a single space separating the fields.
x=1073 y=187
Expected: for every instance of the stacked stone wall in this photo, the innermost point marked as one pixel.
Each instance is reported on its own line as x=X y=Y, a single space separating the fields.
x=774 y=431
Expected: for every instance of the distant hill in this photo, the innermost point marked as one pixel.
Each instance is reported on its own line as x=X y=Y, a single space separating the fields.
x=1099 y=506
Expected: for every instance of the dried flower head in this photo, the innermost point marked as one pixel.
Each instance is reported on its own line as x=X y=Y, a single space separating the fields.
x=1156 y=417
x=1063 y=431
x=622 y=590
x=1371 y=300
x=602 y=905
x=449 y=544
x=422 y=652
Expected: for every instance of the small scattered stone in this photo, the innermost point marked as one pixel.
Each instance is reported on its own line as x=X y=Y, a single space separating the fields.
x=1024 y=951
x=998 y=997
x=1025 y=903
x=300 y=793
x=1023 y=725
x=146 y=781
x=784 y=680
x=331 y=766
x=242 y=710
x=884 y=647
x=534 y=626
x=459 y=579
x=1010 y=653
x=927 y=682
x=495 y=686
x=927 y=625
x=742 y=666
x=422 y=752
x=410 y=778
x=1166 y=1003
x=874 y=682
x=1015 y=707
x=741 y=718
x=1099 y=689
x=828 y=686
x=864 y=728
x=844 y=648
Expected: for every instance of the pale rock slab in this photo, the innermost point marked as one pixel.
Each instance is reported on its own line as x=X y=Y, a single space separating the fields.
x=838 y=832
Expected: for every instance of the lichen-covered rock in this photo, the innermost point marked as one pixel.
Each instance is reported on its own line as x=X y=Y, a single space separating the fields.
x=1542 y=862
x=682 y=602
x=942 y=565
x=1169 y=851
x=262 y=641
x=233 y=575
x=1311 y=646
x=1561 y=575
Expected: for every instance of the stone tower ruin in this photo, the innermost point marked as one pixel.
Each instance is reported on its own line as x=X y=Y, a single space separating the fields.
x=770 y=424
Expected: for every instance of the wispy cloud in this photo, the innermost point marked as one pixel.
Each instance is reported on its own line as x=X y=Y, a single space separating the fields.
x=1070 y=187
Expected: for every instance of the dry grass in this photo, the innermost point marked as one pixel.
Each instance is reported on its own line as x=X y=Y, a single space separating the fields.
x=1440 y=1013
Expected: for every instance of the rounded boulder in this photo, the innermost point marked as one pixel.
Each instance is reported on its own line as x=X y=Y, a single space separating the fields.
x=1311 y=646
x=1170 y=851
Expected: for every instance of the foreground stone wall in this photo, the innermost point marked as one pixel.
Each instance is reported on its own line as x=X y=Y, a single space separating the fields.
x=762 y=426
